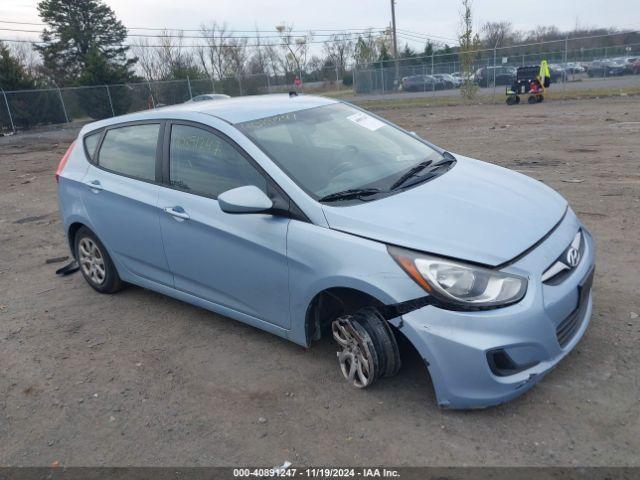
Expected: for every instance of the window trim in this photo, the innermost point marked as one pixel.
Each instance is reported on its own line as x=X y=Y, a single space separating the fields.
x=286 y=203
x=158 y=157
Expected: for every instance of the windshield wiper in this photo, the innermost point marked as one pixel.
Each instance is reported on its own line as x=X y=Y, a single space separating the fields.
x=412 y=172
x=350 y=194
x=447 y=159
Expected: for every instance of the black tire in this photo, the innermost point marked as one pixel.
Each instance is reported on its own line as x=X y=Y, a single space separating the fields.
x=511 y=100
x=109 y=281
x=532 y=99
x=540 y=99
x=383 y=339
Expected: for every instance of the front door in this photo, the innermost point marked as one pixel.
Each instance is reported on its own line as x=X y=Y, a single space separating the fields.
x=237 y=261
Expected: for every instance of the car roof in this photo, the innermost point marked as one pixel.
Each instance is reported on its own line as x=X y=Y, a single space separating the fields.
x=233 y=110
x=253 y=107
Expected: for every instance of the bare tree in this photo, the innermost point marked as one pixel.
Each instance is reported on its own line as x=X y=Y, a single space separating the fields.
x=176 y=60
x=366 y=49
x=29 y=59
x=164 y=58
x=339 y=50
x=497 y=33
x=295 y=48
x=469 y=44
x=235 y=51
x=148 y=62
x=212 y=55
x=257 y=63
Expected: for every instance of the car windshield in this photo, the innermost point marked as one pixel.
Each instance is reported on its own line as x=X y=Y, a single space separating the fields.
x=336 y=147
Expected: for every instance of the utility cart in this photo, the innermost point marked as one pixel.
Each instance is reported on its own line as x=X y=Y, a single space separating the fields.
x=531 y=80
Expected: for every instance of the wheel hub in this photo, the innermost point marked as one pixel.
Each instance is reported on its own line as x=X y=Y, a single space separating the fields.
x=354 y=356
x=91 y=261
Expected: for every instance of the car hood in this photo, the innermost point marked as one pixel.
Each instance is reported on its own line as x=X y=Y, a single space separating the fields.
x=476 y=211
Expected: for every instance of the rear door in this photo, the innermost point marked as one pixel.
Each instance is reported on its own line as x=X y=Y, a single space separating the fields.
x=236 y=261
x=121 y=196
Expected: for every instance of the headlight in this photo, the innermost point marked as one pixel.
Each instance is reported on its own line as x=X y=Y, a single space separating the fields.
x=460 y=284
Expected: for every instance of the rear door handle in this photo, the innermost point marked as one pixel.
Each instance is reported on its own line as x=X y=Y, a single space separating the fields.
x=95 y=186
x=177 y=212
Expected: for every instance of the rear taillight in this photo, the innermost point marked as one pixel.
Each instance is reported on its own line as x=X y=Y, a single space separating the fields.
x=63 y=161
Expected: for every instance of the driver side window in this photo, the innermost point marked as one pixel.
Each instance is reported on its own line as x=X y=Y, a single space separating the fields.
x=203 y=163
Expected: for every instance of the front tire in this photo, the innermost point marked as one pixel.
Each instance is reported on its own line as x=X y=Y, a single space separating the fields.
x=95 y=263
x=367 y=347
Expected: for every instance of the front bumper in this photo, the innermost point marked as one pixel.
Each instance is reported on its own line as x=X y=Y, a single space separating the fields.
x=455 y=344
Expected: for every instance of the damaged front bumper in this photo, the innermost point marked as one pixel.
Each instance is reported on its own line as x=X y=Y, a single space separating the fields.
x=484 y=358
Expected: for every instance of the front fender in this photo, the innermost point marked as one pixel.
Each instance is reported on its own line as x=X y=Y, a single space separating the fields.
x=320 y=258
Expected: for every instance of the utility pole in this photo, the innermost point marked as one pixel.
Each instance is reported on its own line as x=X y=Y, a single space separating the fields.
x=395 y=40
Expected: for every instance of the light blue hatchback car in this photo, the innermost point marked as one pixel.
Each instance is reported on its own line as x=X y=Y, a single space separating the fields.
x=305 y=216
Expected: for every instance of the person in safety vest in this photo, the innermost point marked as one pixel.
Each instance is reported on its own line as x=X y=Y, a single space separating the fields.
x=544 y=77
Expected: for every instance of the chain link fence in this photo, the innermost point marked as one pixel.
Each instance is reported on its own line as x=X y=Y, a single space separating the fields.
x=22 y=110
x=571 y=60
x=575 y=62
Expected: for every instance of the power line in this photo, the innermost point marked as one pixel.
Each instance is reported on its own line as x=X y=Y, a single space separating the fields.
x=178 y=29
x=420 y=39
x=202 y=36
x=248 y=45
x=425 y=36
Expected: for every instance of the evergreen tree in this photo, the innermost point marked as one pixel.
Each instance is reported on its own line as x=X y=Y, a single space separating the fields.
x=40 y=106
x=83 y=43
x=384 y=57
x=428 y=49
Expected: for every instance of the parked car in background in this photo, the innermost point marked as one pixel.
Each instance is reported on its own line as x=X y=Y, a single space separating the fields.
x=632 y=65
x=461 y=77
x=308 y=218
x=606 y=68
x=449 y=80
x=420 y=83
x=574 y=68
x=208 y=96
x=503 y=76
x=557 y=73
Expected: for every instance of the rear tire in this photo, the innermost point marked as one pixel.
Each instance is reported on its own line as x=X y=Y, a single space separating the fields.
x=367 y=347
x=95 y=263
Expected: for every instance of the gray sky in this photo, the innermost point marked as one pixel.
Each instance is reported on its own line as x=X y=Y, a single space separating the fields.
x=433 y=17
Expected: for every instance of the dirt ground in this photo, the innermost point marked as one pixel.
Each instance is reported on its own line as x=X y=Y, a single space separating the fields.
x=140 y=379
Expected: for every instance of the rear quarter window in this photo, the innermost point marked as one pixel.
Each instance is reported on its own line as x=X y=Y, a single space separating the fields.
x=91 y=143
x=131 y=151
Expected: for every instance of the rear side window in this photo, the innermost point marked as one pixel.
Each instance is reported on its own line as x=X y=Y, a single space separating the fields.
x=90 y=143
x=131 y=151
x=203 y=163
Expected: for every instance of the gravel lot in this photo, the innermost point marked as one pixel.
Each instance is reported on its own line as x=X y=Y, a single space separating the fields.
x=140 y=379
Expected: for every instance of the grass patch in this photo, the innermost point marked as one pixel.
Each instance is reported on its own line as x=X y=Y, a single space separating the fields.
x=487 y=99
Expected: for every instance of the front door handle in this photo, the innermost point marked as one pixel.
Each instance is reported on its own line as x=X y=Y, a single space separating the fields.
x=95 y=186
x=177 y=212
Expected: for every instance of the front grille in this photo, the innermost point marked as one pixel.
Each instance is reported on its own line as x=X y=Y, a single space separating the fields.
x=567 y=329
x=559 y=271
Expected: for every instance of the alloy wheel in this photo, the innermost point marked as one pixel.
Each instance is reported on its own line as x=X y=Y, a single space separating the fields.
x=355 y=354
x=91 y=261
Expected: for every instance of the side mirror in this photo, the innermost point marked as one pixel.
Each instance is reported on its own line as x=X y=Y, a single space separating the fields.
x=248 y=199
